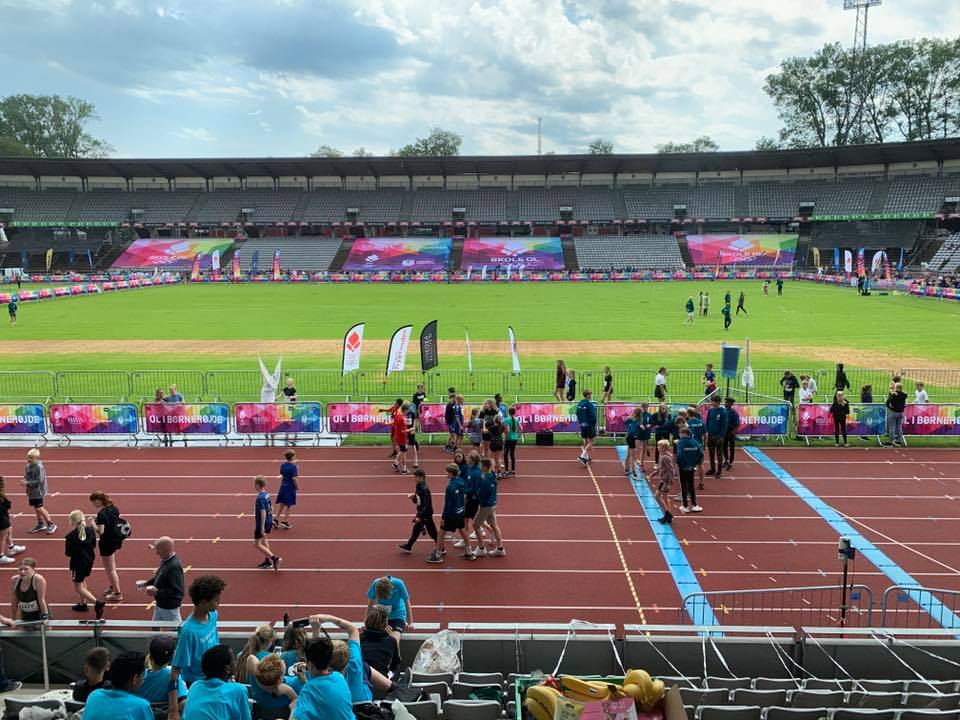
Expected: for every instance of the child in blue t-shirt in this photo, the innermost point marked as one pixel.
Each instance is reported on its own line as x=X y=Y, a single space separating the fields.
x=263 y=518
x=287 y=495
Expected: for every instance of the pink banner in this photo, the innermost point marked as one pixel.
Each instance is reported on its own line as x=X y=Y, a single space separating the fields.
x=359 y=418
x=269 y=418
x=931 y=420
x=77 y=419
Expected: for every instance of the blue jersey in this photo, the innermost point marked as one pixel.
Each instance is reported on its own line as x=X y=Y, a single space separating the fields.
x=488 y=490
x=288 y=472
x=454 y=499
x=696 y=428
x=263 y=511
x=472 y=485
x=717 y=421
x=733 y=420
x=194 y=640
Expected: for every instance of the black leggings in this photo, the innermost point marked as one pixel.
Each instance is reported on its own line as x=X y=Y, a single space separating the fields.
x=418 y=528
x=729 y=446
x=687 y=487
x=726 y=321
x=715 y=447
x=510 y=455
x=840 y=428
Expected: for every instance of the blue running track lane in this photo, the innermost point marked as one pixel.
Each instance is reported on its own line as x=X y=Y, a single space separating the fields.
x=936 y=609
x=700 y=612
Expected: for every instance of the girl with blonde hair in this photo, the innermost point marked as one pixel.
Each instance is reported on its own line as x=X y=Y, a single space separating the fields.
x=257 y=648
x=80 y=547
x=268 y=688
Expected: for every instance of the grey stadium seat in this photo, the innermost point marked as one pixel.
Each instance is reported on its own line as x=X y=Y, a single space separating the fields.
x=862 y=714
x=699 y=696
x=875 y=700
x=481 y=678
x=931 y=701
x=817 y=698
x=728 y=683
x=763 y=698
x=423 y=710
x=471 y=710
x=418 y=678
x=789 y=713
x=728 y=712
x=763 y=683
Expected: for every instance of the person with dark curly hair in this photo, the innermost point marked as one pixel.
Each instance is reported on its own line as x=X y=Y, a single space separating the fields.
x=119 y=702
x=197 y=635
x=216 y=696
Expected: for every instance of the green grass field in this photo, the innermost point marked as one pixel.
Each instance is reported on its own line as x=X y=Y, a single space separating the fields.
x=625 y=325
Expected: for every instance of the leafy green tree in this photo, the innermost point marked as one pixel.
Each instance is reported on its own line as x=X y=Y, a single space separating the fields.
x=439 y=143
x=600 y=146
x=766 y=143
x=326 y=151
x=51 y=126
x=11 y=148
x=362 y=152
x=704 y=143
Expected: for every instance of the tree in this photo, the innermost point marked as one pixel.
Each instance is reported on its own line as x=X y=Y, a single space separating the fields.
x=600 y=146
x=11 y=148
x=704 y=143
x=438 y=143
x=326 y=151
x=362 y=152
x=51 y=126
x=766 y=143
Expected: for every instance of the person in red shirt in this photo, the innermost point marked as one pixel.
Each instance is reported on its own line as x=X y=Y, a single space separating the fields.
x=398 y=435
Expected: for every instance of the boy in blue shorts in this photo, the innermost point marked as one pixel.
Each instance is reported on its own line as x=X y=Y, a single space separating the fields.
x=263 y=524
x=452 y=520
x=197 y=635
x=287 y=495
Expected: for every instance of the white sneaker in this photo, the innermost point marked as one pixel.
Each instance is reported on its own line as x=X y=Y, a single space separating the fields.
x=459 y=543
x=499 y=552
x=480 y=552
x=676 y=498
x=448 y=536
x=16 y=549
x=696 y=508
x=684 y=510
x=4 y=560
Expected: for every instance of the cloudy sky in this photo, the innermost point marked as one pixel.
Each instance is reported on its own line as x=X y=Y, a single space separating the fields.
x=175 y=78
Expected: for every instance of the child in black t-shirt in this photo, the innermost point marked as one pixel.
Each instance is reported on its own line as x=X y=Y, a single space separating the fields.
x=423 y=519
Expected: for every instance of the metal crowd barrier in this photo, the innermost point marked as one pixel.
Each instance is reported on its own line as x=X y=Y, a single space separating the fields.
x=903 y=607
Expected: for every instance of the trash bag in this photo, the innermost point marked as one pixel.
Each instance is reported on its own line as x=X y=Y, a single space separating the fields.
x=439 y=653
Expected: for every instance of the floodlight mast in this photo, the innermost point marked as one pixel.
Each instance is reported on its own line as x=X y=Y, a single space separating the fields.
x=860 y=30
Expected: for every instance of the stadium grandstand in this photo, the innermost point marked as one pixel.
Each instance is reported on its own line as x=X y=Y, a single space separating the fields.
x=614 y=211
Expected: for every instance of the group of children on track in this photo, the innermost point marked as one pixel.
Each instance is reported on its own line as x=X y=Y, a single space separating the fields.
x=265 y=520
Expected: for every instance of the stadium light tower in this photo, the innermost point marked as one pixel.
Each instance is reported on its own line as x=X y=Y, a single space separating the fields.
x=860 y=31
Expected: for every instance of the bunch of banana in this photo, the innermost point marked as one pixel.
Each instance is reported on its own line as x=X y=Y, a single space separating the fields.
x=541 y=701
x=646 y=691
x=585 y=691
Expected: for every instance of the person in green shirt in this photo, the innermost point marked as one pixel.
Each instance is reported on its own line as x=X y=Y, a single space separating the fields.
x=514 y=433
x=689 y=320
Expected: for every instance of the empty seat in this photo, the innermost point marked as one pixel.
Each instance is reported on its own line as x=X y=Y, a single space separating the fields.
x=929 y=714
x=827 y=684
x=929 y=686
x=789 y=713
x=879 y=685
x=699 y=696
x=817 y=698
x=419 y=678
x=423 y=710
x=763 y=698
x=681 y=680
x=471 y=710
x=439 y=688
x=728 y=683
x=932 y=701
x=764 y=683
x=863 y=714
x=691 y=711
x=875 y=700
x=481 y=678
x=728 y=712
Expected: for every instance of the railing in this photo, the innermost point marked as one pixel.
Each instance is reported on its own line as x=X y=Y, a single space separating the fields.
x=919 y=607
x=813 y=605
x=629 y=384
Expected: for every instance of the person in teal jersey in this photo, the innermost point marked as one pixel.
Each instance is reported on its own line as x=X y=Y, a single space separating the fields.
x=294 y=640
x=514 y=436
x=689 y=306
x=119 y=702
x=695 y=423
x=157 y=677
x=268 y=687
x=587 y=417
x=347 y=657
x=326 y=696
x=197 y=634
x=452 y=518
x=12 y=310
x=632 y=427
x=726 y=316
x=391 y=592
x=661 y=422
x=258 y=646
x=716 y=427
x=216 y=696
x=643 y=434
x=689 y=455
x=486 y=517
x=727 y=298
x=472 y=504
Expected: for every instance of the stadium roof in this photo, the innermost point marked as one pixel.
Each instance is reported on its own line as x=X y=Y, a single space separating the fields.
x=937 y=150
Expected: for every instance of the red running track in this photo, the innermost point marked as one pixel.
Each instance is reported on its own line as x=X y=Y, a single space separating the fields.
x=578 y=544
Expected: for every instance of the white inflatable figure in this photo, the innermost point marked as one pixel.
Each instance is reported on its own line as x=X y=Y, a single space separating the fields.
x=271 y=383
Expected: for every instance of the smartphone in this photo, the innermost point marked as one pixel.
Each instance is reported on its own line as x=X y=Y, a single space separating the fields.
x=301 y=622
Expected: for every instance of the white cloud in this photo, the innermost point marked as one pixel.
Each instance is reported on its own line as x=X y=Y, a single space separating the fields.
x=265 y=126
x=195 y=134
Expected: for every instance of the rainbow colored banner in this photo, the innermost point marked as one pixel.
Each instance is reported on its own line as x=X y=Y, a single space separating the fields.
x=815 y=420
x=759 y=418
x=556 y=417
x=176 y=254
x=236 y=266
x=398 y=254
x=931 y=420
x=22 y=420
x=94 y=419
x=187 y=418
x=615 y=414
x=432 y=417
x=269 y=418
x=768 y=249
x=276 y=266
x=545 y=253
x=359 y=418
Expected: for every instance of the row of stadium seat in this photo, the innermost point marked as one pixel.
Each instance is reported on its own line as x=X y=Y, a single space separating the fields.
x=599 y=204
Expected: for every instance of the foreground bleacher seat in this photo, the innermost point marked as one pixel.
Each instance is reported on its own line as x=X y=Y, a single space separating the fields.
x=431 y=688
x=874 y=700
x=13 y=706
x=418 y=678
x=481 y=678
x=763 y=698
x=816 y=698
x=727 y=683
x=929 y=714
x=700 y=696
x=930 y=686
x=464 y=690
x=862 y=714
x=727 y=712
x=423 y=710
x=763 y=683
x=791 y=713
x=471 y=710
x=932 y=701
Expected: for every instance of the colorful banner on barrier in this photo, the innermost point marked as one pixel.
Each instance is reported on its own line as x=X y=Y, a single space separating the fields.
x=170 y=254
x=365 y=418
x=760 y=419
x=616 y=414
x=815 y=420
x=187 y=418
x=931 y=420
x=399 y=254
x=544 y=253
x=22 y=420
x=95 y=419
x=556 y=417
x=269 y=418
x=757 y=249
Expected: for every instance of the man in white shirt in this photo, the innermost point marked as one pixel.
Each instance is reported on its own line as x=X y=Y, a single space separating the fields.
x=921 y=397
x=660 y=384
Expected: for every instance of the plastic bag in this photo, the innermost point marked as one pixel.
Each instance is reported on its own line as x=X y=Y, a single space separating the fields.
x=400 y=712
x=439 y=653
